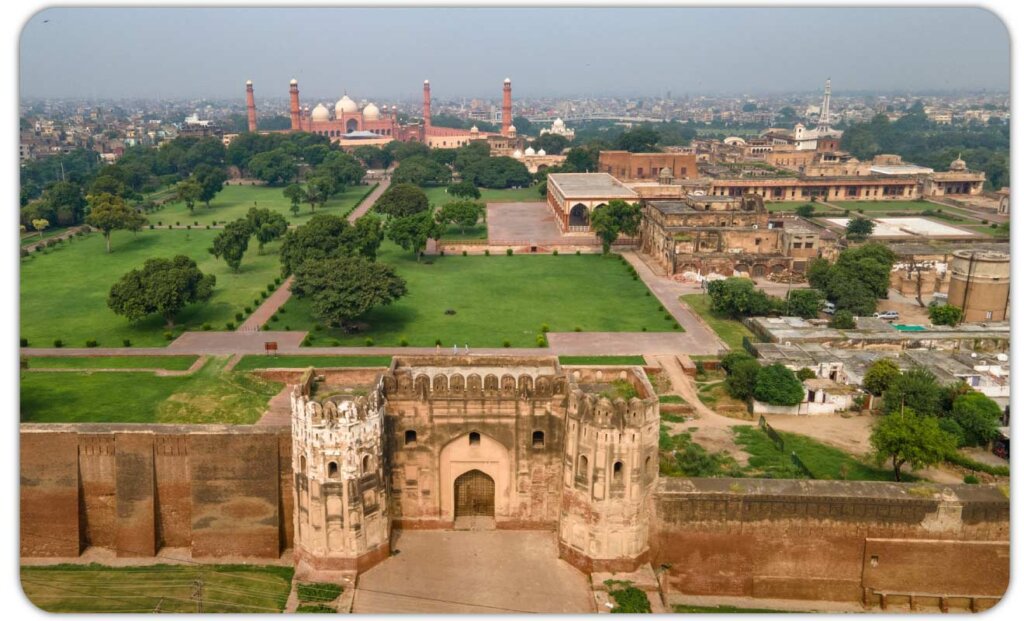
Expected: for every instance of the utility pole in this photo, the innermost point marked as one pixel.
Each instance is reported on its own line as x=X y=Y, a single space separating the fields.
x=197 y=594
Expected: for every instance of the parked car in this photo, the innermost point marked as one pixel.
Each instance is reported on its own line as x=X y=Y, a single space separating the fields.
x=828 y=308
x=889 y=315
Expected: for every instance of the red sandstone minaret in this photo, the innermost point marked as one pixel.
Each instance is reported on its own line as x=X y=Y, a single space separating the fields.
x=250 y=105
x=426 y=106
x=293 y=90
x=506 y=107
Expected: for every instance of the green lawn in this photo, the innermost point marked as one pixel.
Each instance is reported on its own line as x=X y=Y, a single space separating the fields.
x=824 y=462
x=234 y=201
x=170 y=363
x=64 y=292
x=496 y=299
x=167 y=588
x=318 y=591
x=883 y=206
x=729 y=330
x=209 y=396
x=1002 y=230
x=455 y=233
x=248 y=363
x=439 y=195
x=616 y=361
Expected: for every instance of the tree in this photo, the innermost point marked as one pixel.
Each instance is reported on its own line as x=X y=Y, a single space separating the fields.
x=40 y=225
x=978 y=417
x=918 y=389
x=266 y=225
x=738 y=297
x=402 y=199
x=859 y=229
x=412 y=232
x=342 y=289
x=553 y=144
x=817 y=273
x=63 y=203
x=945 y=315
x=232 y=242
x=805 y=374
x=422 y=171
x=777 y=385
x=805 y=211
x=742 y=378
x=906 y=437
x=732 y=358
x=880 y=375
x=842 y=320
x=803 y=303
x=367 y=234
x=460 y=213
x=274 y=167
x=109 y=213
x=638 y=140
x=296 y=195
x=373 y=157
x=163 y=286
x=188 y=191
x=345 y=169
x=210 y=179
x=320 y=189
x=496 y=172
x=611 y=220
x=327 y=236
x=464 y=189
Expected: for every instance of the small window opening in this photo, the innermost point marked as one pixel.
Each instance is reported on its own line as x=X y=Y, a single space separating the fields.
x=617 y=472
x=474 y=438
x=332 y=470
x=538 y=439
x=366 y=464
x=410 y=437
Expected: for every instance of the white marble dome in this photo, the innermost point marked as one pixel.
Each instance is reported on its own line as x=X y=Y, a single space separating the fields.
x=517 y=154
x=958 y=164
x=345 y=106
x=529 y=151
x=294 y=82
x=542 y=152
x=558 y=123
x=320 y=113
x=371 y=112
x=474 y=130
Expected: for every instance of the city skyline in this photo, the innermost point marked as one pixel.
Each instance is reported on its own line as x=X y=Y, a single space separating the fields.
x=271 y=46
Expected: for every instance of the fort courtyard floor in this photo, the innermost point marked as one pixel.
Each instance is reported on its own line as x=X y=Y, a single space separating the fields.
x=489 y=571
x=528 y=222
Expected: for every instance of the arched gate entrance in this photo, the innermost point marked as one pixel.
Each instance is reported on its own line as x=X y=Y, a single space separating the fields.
x=474 y=495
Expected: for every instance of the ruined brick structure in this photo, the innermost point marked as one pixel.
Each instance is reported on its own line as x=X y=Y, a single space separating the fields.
x=504 y=442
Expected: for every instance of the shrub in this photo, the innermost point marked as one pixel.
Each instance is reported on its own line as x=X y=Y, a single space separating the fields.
x=970 y=479
x=151 y=227
x=441 y=252
x=274 y=317
x=168 y=335
x=160 y=223
x=487 y=252
x=643 y=328
x=277 y=280
x=207 y=327
x=188 y=226
x=404 y=342
x=92 y=343
x=248 y=310
x=994 y=225
x=264 y=294
x=508 y=251
x=544 y=328
x=647 y=293
x=984 y=221
x=542 y=341
x=318 y=591
x=506 y=343
x=577 y=253
x=318 y=327
x=677 y=326
x=437 y=342
x=126 y=342
x=177 y=224
x=271 y=287
x=463 y=253
x=577 y=329
x=281 y=311
x=335 y=342
x=23 y=342
x=369 y=341
x=229 y=326
x=668 y=317
x=58 y=343
x=628 y=598
x=555 y=252
x=239 y=317
x=207 y=227
x=306 y=340
x=265 y=327
x=196 y=222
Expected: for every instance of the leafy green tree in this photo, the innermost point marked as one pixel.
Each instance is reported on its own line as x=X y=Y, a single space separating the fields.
x=583 y=158
x=730 y=359
x=497 y=172
x=109 y=213
x=803 y=303
x=978 y=417
x=326 y=236
x=276 y=167
x=402 y=199
x=266 y=225
x=471 y=154
x=63 y=203
x=906 y=437
x=320 y=189
x=296 y=195
x=412 y=232
x=403 y=150
x=842 y=320
x=553 y=144
x=367 y=235
x=805 y=374
x=343 y=168
x=422 y=171
x=859 y=229
x=880 y=376
x=464 y=189
x=738 y=297
x=189 y=191
x=918 y=389
x=611 y=220
x=777 y=385
x=638 y=140
x=463 y=214
x=163 y=286
x=373 y=157
x=40 y=225
x=211 y=181
x=342 y=289
x=945 y=315
x=232 y=242
x=805 y=211
x=742 y=378
x=817 y=273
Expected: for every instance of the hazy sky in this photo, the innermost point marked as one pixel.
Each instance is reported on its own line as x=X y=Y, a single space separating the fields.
x=387 y=53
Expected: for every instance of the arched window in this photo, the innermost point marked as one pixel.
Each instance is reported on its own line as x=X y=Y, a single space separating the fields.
x=582 y=468
x=647 y=466
x=410 y=437
x=302 y=464
x=617 y=472
x=474 y=438
x=332 y=470
x=366 y=464
x=538 y=439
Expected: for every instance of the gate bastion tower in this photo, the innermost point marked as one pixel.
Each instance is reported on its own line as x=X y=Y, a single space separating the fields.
x=341 y=501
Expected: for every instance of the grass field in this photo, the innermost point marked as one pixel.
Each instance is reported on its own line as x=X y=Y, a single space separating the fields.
x=824 y=462
x=497 y=299
x=234 y=201
x=209 y=396
x=64 y=292
x=616 y=361
x=167 y=588
x=883 y=206
x=170 y=363
x=729 y=330
x=248 y=363
x=439 y=195
x=1002 y=230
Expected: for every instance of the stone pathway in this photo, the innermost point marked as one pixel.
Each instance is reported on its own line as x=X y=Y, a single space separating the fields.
x=370 y=199
x=31 y=246
x=279 y=410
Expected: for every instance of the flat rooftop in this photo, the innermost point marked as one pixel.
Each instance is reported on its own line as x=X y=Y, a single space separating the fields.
x=903 y=169
x=910 y=228
x=794 y=329
x=590 y=185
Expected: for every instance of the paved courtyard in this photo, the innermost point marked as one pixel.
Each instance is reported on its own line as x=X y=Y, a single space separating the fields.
x=495 y=571
x=528 y=222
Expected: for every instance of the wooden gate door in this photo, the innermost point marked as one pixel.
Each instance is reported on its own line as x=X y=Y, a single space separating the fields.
x=474 y=495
